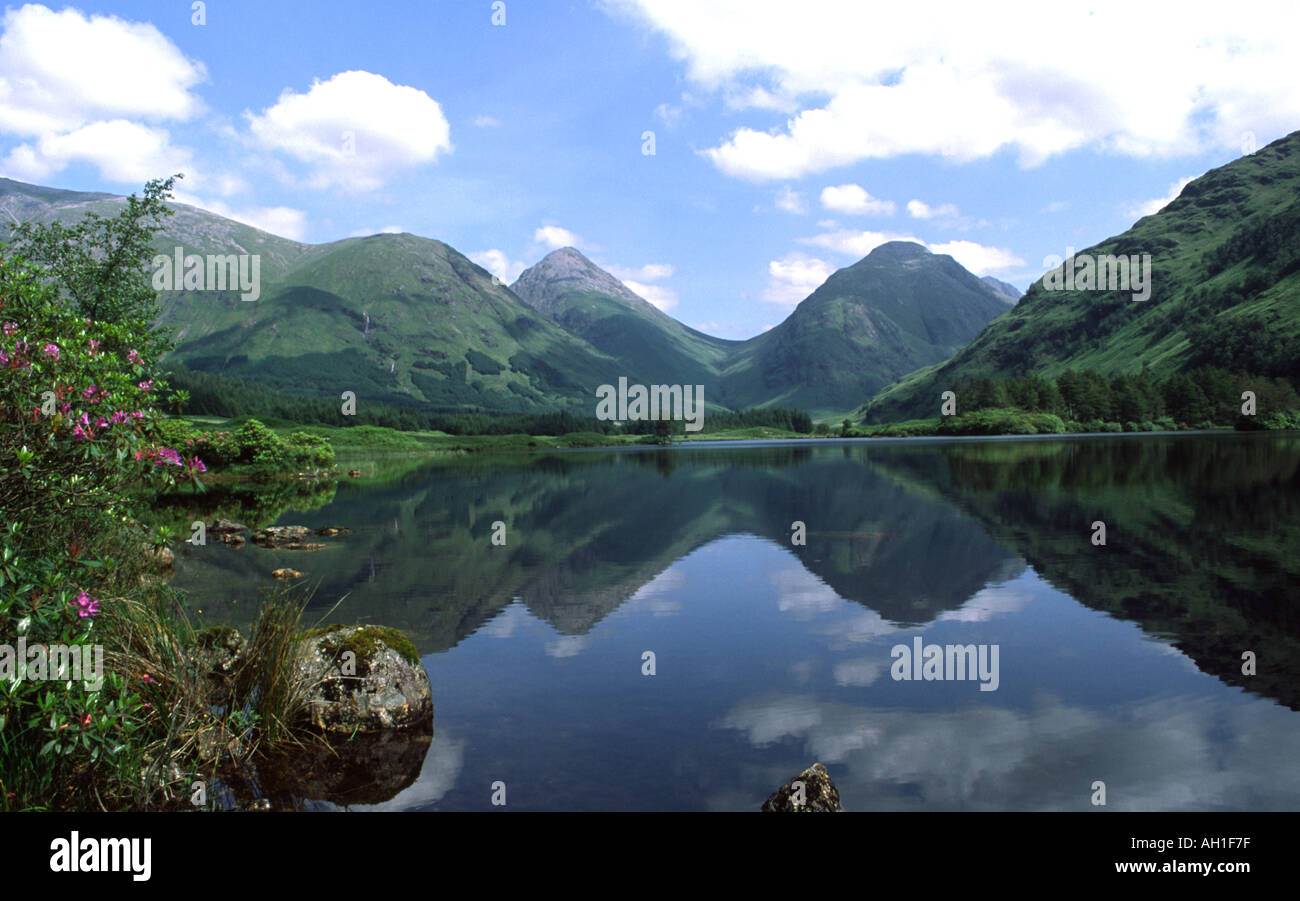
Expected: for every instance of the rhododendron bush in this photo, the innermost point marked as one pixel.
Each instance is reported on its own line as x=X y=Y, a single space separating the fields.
x=79 y=433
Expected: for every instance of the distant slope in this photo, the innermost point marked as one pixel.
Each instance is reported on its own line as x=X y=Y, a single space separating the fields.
x=1007 y=290
x=195 y=229
x=899 y=308
x=394 y=318
x=1225 y=259
x=574 y=292
x=397 y=318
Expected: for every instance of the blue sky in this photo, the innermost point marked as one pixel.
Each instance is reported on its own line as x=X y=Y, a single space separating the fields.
x=789 y=139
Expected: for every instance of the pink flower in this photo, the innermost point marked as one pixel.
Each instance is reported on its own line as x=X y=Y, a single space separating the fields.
x=94 y=345
x=51 y=352
x=160 y=455
x=145 y=385
x=133 y=357
x=87 y=605
x=196 y=465
x=10 y=328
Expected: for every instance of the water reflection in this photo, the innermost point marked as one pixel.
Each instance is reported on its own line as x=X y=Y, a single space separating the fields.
x=1120 y=663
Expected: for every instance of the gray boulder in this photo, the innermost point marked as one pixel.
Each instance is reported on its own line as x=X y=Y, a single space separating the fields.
x=364 y=679
x=812 y=791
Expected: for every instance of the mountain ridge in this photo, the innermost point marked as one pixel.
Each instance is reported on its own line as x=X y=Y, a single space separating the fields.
x=1225 y=291
x=407 y=319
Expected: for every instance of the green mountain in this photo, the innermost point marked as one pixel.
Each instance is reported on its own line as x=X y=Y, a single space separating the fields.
x=1225 y=291
x=1007 y=290
x=400 y=319
x=587 y=301
x=899 y=308
x=404 y=319
x=393 y=318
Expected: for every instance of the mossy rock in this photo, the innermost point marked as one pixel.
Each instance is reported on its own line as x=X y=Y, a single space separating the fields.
x=219 y=647
x=364 y=679
x=364 y=640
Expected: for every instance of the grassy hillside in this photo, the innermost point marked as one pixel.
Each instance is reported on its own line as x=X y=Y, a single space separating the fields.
x=899 y=308
x=1225 y=277
x=400 y=319
x=395 y=318
x=588 y=302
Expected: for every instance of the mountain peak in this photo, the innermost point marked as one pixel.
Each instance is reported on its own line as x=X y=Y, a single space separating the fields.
x=565 y=271
x=899 y=250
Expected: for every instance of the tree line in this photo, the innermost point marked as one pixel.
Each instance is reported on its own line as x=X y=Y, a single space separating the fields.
x=232 y=398
x=1207 y=394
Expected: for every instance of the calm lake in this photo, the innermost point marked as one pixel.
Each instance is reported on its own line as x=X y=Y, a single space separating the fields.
x=1119 y=663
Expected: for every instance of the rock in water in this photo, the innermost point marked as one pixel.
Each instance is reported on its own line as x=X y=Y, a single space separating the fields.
x=277 y=536
x=364 y=679
x=812 y=791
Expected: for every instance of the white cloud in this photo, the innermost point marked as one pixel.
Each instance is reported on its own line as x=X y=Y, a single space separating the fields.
x=92 y=89
x=555 y=237
x=568 y=646
x=978 y=258
x=486 y=122
x=988 y=603
x=865 y=82
x=859 y=673
x=637 y=280
x=791 y=201
x=661 y=296
x=386 y=230
x=918 y=209
x=122 y=151
x=507 y=622
x=855 y=243
x=794 y=277
x=500 y=265
x=60 y=71
x=1147 y=208
x=284 y=221
x=729 y=330
x=854 y=200
x=650 y=272
x=354 y=130
x=669 y=115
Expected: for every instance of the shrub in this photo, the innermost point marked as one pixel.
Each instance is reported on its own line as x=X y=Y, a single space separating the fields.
x=1279 y=419
x=78 y=432
x=307 y=450
x=998 y=421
